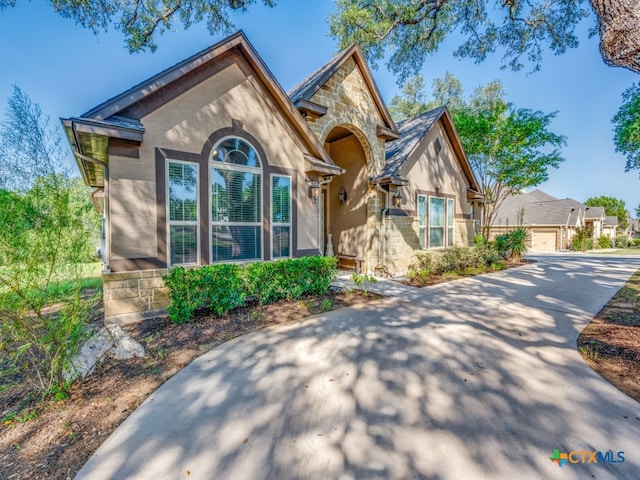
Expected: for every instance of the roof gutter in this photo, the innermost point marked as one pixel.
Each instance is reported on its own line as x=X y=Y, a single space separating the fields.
x=105 y=216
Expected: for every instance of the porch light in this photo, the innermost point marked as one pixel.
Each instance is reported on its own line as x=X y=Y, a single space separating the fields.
x=314 y=191
x=397 y=199
x=342 y=196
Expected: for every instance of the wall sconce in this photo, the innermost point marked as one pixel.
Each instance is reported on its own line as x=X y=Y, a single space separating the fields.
x=314 y=191
x=342 y=195
x=397 y=199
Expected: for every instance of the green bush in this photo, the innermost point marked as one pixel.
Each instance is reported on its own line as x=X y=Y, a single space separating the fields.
x=621 y=241
x=223 y=287
x=604 y=242
x=453 y=260
x=517 y=243
x=636 y=242
x=289 y=279
x=582 y=240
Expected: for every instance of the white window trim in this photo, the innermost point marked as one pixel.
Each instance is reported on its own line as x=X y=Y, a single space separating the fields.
x=238 y=168
x=453 y=221
x=171 y=223
x=424 y=227
x=281 y=224
x=444 y=227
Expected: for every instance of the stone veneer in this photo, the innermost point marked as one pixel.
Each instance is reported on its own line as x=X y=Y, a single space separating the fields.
x=132 y=296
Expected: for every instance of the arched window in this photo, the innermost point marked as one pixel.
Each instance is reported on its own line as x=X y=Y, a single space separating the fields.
x=236 y=201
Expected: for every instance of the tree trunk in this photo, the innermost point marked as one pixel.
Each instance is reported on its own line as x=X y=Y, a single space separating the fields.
x=619 y=27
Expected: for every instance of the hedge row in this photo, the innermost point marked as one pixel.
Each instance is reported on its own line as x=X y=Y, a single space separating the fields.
x=454 y=259
x=223 y=287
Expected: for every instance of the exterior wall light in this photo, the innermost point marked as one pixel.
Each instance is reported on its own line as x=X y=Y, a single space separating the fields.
x=342 y=196
x=397 y=199
x=314 y=191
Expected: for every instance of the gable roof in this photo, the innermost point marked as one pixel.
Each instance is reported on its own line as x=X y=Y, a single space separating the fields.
x=412 y=131
x=594 y=213
x=611 y=221
x=308 y=87
x=539 y=208
x=89 y=133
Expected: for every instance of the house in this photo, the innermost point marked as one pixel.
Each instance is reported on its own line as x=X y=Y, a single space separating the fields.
x=552 y=222
x=610 y=227
x=211 y=161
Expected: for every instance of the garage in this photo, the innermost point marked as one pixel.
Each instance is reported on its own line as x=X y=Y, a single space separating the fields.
x=543 y=241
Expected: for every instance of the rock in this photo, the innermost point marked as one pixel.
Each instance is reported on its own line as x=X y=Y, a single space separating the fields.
x=110 y=340
x=124 y=347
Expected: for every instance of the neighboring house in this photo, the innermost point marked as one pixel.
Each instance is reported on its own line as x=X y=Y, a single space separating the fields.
x=552 y=222
x=610 y=226
x=211 y=161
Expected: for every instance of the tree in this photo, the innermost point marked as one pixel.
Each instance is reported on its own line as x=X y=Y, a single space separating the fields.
x=141 y=21
x=627 y=127
x=638 y=210
x=47 y=232
x=510 y=149
x=412 y=30
x=613 y=207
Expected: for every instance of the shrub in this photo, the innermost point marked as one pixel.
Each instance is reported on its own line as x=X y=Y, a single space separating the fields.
x=517 y=243
x=621 y=241
x=604 y=242
x=501 y=244
x=290 y=278
x=223 y=287
x=452 y=260
x=636 y=242
x=582 y=240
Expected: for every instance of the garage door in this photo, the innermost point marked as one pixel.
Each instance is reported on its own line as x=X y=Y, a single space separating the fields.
x=543 y=241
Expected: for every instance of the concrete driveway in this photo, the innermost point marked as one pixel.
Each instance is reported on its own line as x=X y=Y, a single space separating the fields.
x=477 y=378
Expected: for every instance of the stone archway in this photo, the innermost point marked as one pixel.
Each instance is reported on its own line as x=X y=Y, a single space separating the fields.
x=346 y=219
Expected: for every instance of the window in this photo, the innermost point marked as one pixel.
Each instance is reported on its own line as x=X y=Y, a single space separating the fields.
x=437 y=146
x=182 y=185
x=451 y=210
x=236 y=202
x=280 y=216
x=436 y=221
x=422 y=221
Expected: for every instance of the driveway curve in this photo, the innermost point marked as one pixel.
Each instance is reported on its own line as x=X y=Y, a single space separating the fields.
x=477 y=378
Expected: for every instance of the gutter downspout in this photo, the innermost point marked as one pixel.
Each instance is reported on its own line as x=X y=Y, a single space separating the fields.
x=383 y=225
x=106 y=229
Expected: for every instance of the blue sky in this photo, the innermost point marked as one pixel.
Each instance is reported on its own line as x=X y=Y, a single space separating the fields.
x=68 y=70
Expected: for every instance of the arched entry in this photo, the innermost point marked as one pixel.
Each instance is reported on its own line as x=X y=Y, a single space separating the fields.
x=345 y=198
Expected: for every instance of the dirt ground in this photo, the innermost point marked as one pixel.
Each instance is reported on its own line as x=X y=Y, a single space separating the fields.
x=610 y=344
x=55 y=439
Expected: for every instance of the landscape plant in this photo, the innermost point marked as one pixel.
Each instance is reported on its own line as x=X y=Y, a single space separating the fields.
x=517 y=243
x=582 y=240
x=604 y=241
x=47 y=233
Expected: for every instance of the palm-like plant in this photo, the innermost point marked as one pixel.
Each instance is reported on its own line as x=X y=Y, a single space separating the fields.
x=517 y=242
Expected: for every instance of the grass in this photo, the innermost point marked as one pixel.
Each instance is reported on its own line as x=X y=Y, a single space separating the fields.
x=621 y=251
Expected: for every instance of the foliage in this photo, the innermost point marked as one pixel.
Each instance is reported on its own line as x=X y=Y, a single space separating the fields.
x=612 y=206
x=46 y=233
x=414 y=100
x=453 y=260
x=582 y=239
x=362 y=279
x=290 y=278
x=501 y=244
x=509 y=148
x=626 y=128
x=413 y=30
x=219 y=287
x=636 y=242
x=622 y=241
x=223 y=287
x=517 y=243
x=604 y=242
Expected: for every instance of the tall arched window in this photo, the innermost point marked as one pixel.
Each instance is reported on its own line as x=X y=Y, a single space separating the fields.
x=236 y=202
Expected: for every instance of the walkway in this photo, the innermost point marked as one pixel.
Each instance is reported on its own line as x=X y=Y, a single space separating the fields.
x=477 y=378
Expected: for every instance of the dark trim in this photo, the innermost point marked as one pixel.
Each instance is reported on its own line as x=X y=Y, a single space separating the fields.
x=130 y=264
x=311 y=109
x=398 y=212
x=309 y=252
x=386 y=134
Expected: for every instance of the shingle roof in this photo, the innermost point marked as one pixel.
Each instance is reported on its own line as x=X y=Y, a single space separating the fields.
x=611 y=221
x=538 y=208
x=411 y=132
x=310 y=85
x=594 y=212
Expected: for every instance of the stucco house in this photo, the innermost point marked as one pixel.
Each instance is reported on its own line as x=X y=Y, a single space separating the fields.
x=552 y=222
x=211 y=161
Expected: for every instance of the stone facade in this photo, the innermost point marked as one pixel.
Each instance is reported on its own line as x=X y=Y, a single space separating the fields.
x=131 y=296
